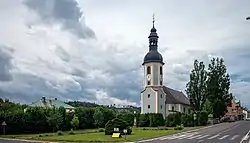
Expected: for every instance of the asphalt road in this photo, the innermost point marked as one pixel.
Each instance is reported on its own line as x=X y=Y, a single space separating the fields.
x=9 y=141
x=16 y=141
x=236 y=132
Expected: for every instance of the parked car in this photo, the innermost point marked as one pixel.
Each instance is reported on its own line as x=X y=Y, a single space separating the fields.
x=232 y=119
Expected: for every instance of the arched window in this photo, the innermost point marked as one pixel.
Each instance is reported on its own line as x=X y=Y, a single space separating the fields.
x=148 y=70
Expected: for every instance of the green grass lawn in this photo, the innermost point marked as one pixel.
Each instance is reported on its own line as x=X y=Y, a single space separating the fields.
x=95 y=136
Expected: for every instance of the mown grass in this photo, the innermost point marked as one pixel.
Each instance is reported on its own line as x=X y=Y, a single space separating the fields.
x=94 y=135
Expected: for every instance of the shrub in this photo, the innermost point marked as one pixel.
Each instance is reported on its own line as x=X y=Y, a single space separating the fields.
x=71 y=132
x=117 y=123
x=59 y=133
x=187 y=120
x=151 y=120
x=173 y=119
x=179 y=127
x=143 y=120
x=203 y=118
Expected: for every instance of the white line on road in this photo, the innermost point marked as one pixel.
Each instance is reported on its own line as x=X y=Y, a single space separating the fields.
x=213 y=137
x=200 y=141
x=234 y=137
x=194 y=137
x=223 y=137
x=245 y=137
x=203 y=137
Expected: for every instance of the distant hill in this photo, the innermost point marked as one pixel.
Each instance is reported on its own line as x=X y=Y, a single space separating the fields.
x=113 y=106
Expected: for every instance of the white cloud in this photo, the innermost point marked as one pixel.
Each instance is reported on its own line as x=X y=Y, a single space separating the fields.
x=58 y=52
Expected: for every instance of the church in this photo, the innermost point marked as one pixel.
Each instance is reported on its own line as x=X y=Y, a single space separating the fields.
x=155 y=97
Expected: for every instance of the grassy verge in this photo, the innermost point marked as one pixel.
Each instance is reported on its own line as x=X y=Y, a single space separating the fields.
x=95 y=136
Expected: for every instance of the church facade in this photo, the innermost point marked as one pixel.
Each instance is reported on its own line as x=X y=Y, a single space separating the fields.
x=155 y=97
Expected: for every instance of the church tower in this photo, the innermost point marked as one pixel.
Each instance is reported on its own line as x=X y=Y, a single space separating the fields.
x=153 y=97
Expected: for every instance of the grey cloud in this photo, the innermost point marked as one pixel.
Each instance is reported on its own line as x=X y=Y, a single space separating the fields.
x=31 y=88
x=67 y=12
x=5 y=63
x=62 y=54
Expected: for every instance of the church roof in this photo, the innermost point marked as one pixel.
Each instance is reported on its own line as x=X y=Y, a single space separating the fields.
x=175 y=97
x=49 y=103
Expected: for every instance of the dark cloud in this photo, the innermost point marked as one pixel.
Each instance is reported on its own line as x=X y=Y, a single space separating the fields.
x=29 y=88
x=5 y=63
x=66 y=12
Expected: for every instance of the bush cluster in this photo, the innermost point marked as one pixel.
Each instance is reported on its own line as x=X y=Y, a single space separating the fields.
x=40 y=120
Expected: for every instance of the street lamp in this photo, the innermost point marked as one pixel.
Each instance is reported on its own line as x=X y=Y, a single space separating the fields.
x=194 y=116
x=134 y=118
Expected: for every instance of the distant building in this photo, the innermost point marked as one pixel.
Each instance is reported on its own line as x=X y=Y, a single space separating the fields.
x=156 y=98
x=235 y=109
x=50 y=103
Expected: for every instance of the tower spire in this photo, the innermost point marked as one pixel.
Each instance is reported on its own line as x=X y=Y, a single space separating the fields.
x=153 y=20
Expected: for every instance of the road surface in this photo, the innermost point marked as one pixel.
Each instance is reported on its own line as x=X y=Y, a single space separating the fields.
x=236 y=132
x=12 y=141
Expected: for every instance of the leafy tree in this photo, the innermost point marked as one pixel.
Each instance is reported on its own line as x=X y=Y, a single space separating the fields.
x=75 y=122
x=55 y=119
x=98 y=118
x=196 y=87
x=218 y=85
x=208 y=107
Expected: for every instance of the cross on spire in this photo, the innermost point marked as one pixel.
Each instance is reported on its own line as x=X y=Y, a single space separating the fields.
x=153 y=20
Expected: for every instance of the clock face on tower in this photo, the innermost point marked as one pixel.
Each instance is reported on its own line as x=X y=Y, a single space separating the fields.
x=148 y=77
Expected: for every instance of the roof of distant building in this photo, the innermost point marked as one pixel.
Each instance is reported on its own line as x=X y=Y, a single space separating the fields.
x=175 y=97
x=49 y=103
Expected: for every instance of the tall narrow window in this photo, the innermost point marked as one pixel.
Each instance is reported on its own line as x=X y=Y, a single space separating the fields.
x=148 y=95
x=161 y=95
x=160 y=70
x=148 y=106
x=161 y=106
x=148 y=82
x=148 y=70
x=172 y=108
x=160 y=82
x=184 y=110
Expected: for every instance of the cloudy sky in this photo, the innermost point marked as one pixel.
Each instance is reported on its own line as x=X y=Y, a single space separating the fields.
x=92 y=50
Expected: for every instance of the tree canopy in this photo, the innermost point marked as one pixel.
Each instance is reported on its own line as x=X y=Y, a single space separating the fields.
x=196 y=87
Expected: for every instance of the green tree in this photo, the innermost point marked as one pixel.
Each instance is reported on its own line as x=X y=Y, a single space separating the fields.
x=196 y=87
x=75 y=122
x=55 y=119
x=208 y=107
x=98 y=118
x=218 y=85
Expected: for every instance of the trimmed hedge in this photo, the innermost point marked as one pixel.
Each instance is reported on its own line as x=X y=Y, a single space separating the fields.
x=173 y=119
x=151 y=120
x=117 y=123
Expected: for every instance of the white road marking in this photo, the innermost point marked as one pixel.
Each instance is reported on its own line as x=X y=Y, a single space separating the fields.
x=213 y=137
x=223 y=137
x=203 y=137
x=146 y=140
x=234 y=137
x=187 y=136
x=200 y=141
x=245 y=137
x=194 y=137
